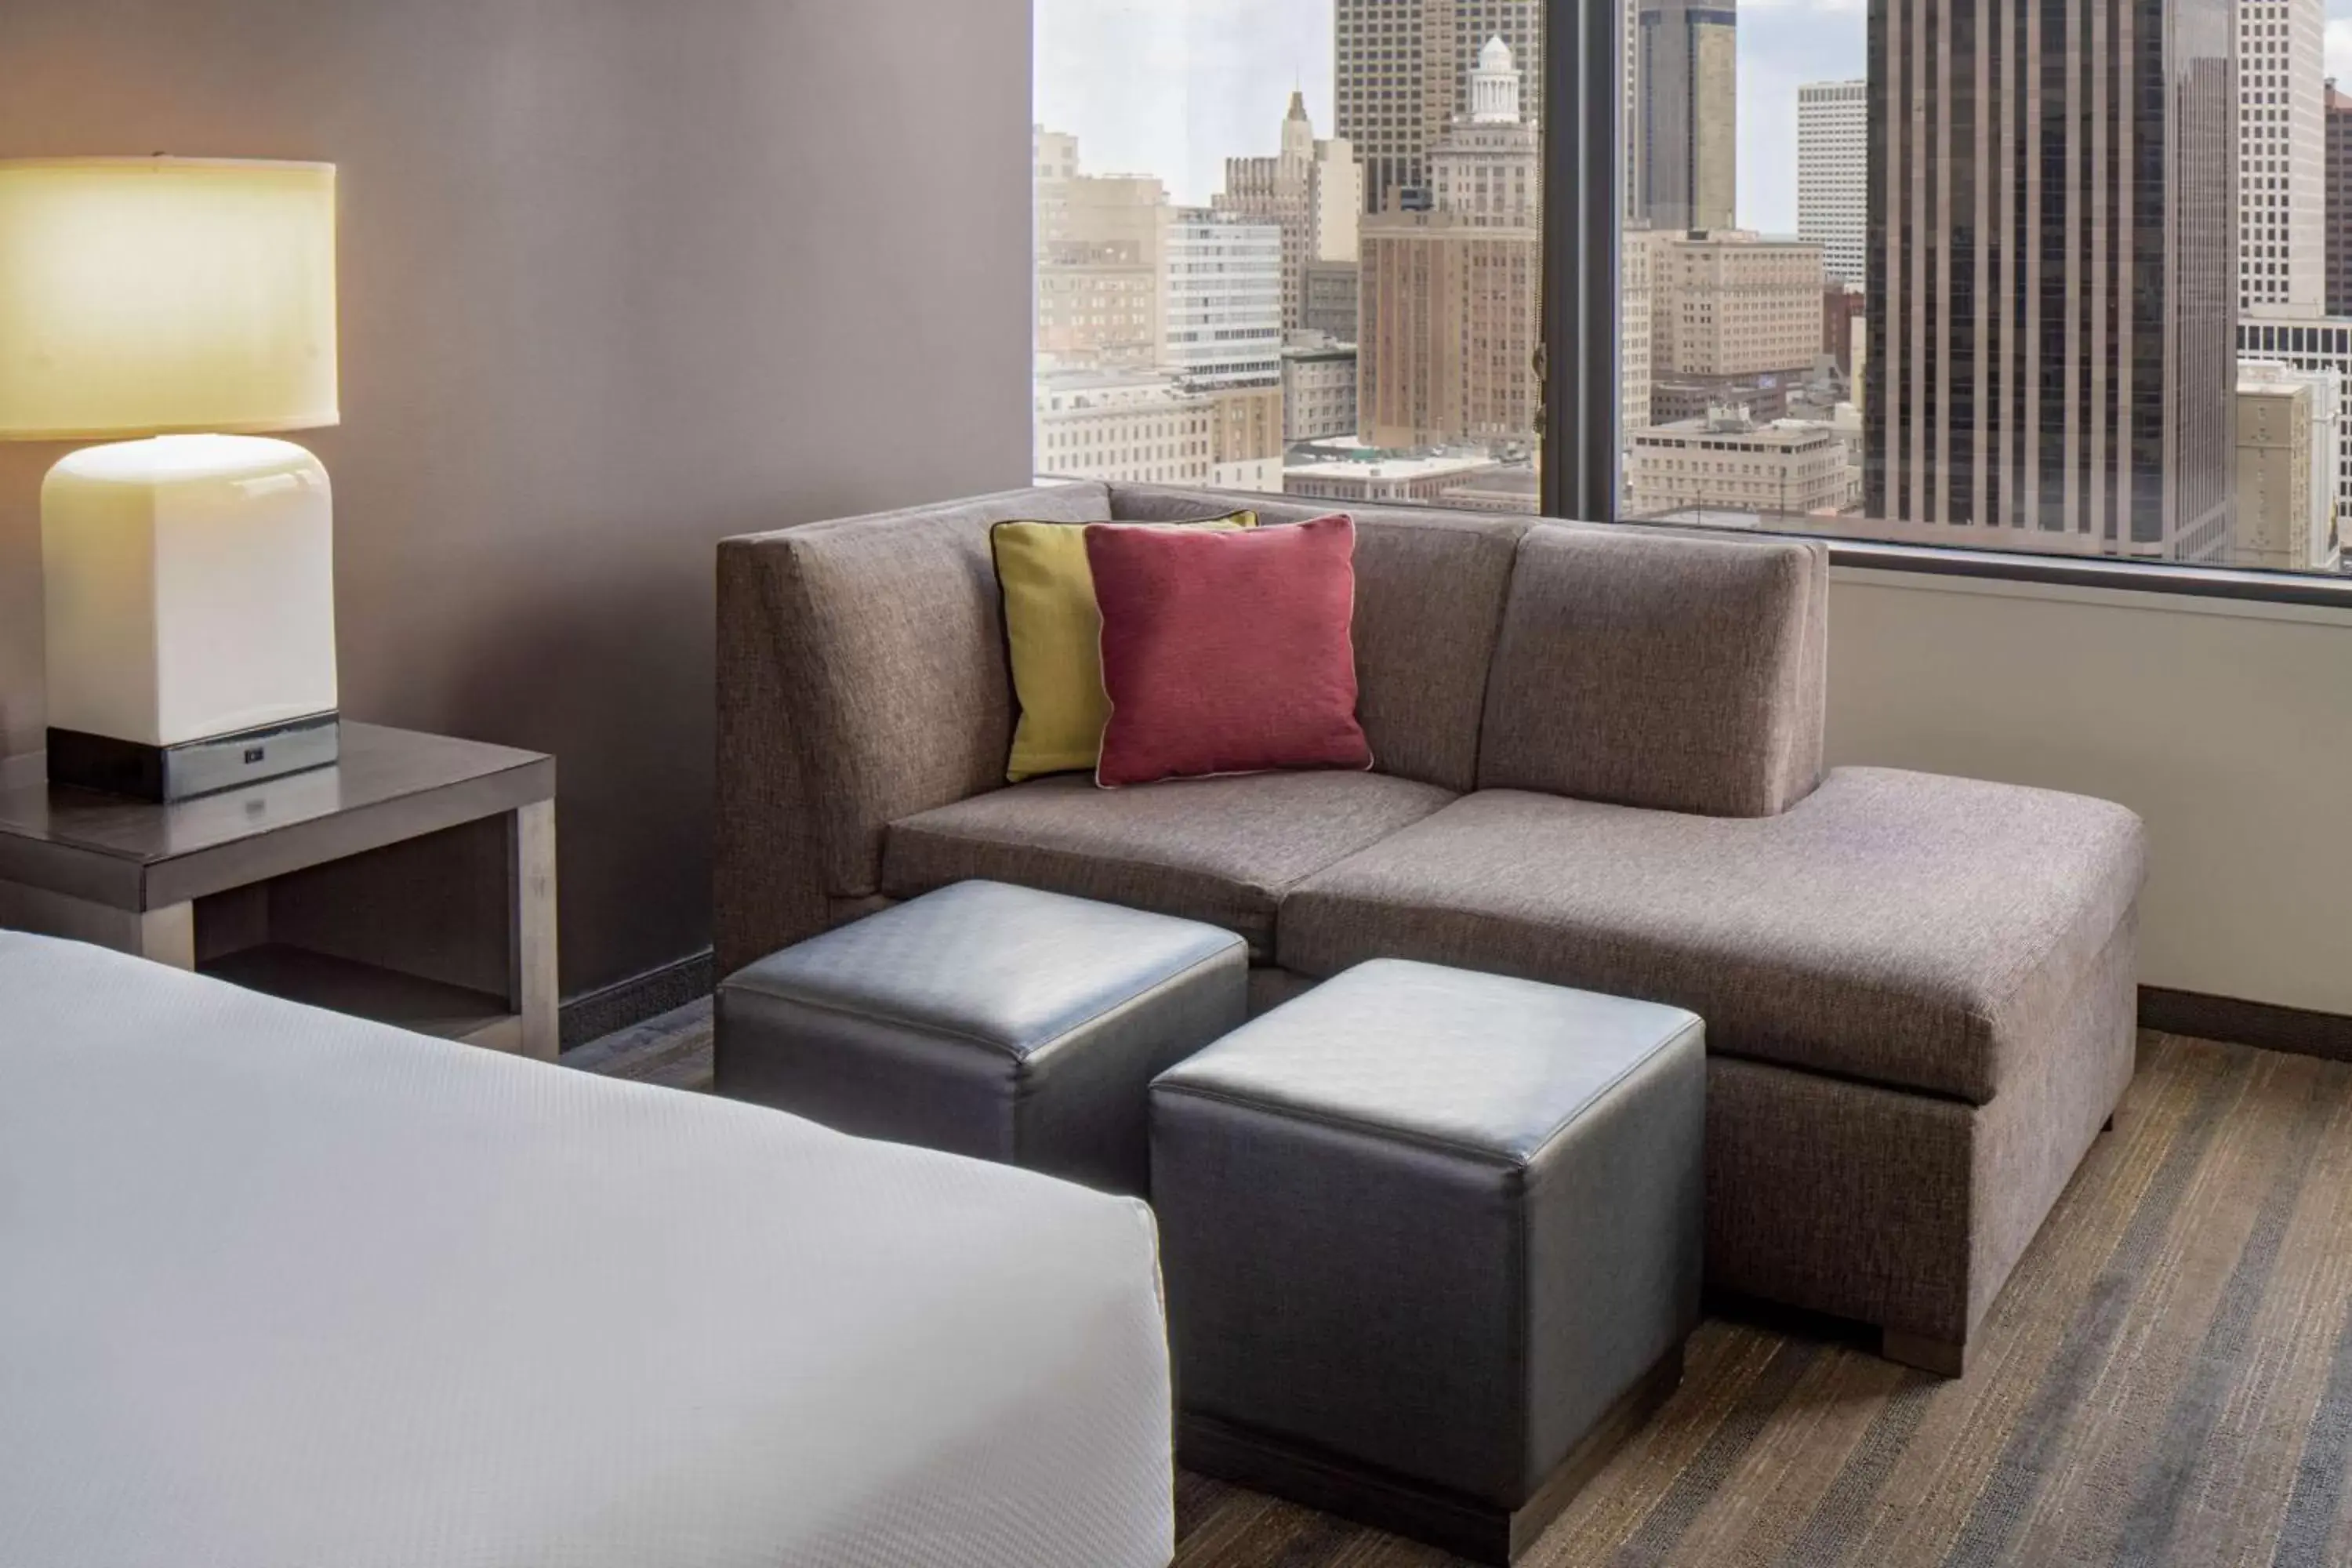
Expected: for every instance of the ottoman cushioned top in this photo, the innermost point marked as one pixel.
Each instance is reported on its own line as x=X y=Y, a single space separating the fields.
x=1470 y=1064
x=1009 y=968
x=987 y=1020
x=1904 y=929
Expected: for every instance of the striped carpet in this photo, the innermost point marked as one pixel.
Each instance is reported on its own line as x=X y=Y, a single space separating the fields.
x=2168 y=1378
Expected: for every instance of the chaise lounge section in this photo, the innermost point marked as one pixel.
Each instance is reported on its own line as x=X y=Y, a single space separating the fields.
x=1598 y=764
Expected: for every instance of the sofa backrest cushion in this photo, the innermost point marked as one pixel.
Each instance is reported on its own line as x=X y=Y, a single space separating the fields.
x=1429 y=590
x=1660 y=670
x=889 y=638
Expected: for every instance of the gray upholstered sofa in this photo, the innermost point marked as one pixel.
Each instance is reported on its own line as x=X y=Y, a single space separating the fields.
x=1599 y=763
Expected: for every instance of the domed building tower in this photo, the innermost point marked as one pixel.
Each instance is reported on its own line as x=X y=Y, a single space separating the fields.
x=1452 y=294
x=1488 y=167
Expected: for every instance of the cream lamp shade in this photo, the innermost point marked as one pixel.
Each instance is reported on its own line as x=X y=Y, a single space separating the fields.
x=154 y=296
x=177 y=308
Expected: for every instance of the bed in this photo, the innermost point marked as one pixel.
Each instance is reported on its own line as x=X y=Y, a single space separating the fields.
x=282 y=1288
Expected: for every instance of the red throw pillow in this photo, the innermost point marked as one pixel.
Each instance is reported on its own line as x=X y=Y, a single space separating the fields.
x=1227 y=653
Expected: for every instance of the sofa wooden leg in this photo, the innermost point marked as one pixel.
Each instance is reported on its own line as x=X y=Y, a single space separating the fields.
x=1945 y=1358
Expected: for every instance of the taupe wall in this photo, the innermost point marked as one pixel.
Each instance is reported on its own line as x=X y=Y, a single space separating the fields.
x=619 y=278
x=2226 y=723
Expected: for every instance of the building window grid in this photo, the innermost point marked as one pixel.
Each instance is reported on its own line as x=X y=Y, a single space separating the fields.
x=2274 y=254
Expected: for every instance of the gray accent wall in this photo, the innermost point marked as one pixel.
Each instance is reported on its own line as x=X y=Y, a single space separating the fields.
x=619 y=278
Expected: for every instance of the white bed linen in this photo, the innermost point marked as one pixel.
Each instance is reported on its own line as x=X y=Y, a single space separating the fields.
x=283 y=1289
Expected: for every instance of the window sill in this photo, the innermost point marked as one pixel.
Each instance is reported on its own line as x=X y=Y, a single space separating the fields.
x=2088 y=579
x=2137 y=577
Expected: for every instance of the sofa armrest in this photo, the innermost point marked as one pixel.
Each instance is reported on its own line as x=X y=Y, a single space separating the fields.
x=861 y=679
x=767 y=889
x=1653 y=669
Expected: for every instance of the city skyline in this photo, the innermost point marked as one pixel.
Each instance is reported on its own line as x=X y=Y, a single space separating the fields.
x=1209 y=70
x=2062 y=386
x=1211 y=77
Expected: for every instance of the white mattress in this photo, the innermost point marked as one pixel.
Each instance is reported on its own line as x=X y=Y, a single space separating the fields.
x=279 y=1288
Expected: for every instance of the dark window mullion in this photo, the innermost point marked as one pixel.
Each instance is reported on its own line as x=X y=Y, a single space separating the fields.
x=1583 y=229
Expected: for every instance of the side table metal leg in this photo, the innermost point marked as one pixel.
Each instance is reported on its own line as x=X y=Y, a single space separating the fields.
x=531 y=967
x=168 y=935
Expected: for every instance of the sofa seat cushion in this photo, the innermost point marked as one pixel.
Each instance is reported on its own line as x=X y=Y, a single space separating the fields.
x=1222 y=850
x=1902 y=929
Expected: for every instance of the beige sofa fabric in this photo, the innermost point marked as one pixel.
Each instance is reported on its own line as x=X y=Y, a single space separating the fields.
x=1223 y=850
x=1430 y=589
x=862 y=678
x=1660 y=670
x=1900 y=927
x=1907 y=1211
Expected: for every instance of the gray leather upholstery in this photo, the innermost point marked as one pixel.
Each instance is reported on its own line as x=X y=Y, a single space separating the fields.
x=1431 y=1221
x=988 y=1020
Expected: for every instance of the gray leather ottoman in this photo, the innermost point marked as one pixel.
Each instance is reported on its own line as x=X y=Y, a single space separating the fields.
x=987 y=1020
x=1431 y=1241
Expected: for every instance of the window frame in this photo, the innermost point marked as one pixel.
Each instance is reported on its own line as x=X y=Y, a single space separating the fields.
x=1583 y=231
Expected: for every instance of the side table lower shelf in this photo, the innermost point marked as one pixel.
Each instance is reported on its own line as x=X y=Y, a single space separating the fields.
x=411 y=882
x=371 y=991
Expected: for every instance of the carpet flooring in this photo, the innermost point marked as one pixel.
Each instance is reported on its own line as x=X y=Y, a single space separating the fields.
x=2166 y=1379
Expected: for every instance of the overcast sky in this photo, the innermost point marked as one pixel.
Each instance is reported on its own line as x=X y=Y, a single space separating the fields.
x=1173 y=87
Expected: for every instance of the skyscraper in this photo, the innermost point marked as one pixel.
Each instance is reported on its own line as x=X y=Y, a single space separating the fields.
x=1223 y=309
x=1686 y=114
x=1318 y=391
x=2026 y=369
x=1134 y=426
x=1329 y=298
x=1833 y=174
x=1223 y=302
x=1735 y=319
x=2317 y=343
x=1101 y=260
x=1452 y=294
x=1841 y=324
x=2288 y=431
x=1402 y=71
x=1486 y=169
x=1313 y=191
x=1636 y=293
x=1457 y=31
x=1724 y=460
x=2338 y=205
x=2282 y=156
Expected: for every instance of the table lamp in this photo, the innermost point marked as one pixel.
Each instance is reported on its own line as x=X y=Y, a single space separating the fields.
x=188 y=573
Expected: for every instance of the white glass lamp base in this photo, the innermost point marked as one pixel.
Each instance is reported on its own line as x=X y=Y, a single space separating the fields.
x=190 y=588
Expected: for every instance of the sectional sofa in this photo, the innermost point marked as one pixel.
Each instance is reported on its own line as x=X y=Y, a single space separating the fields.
x=1598 y=763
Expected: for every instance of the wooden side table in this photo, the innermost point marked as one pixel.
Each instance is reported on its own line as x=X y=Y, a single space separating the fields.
x=414 y=882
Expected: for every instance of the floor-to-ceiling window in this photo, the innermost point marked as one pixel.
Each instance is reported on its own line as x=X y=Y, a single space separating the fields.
x=2061 y=276
x=2027 y=275
x=1292 y=246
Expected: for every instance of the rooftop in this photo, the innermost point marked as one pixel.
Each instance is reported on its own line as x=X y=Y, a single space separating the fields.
x=1389 y=468
x=1089 y=379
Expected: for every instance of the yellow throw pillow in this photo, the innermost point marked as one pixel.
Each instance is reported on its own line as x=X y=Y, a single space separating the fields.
x=1053 y=631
